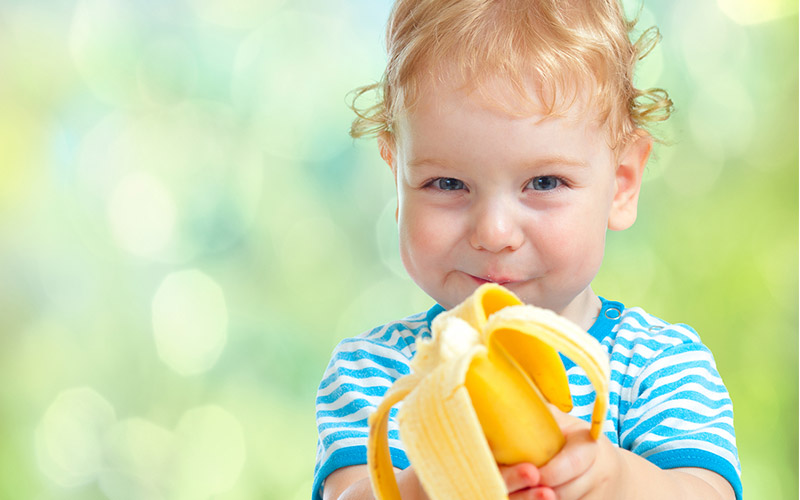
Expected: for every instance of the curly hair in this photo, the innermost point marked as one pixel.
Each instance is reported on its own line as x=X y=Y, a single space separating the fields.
x=563 y=44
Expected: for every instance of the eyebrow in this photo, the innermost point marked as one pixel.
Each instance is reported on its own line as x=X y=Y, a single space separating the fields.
x=539 y=162
x=428 y=162
x=567 y=161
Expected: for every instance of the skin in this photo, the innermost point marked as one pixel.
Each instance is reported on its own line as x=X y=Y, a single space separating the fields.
x=525 y=202
x=521 y=201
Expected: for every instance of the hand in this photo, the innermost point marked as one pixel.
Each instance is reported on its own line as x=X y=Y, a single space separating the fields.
x=585 y=468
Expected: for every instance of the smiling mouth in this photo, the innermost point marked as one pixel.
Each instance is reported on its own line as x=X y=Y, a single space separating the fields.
x=493 y=279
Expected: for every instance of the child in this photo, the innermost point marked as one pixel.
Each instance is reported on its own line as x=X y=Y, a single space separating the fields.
x=514 y=134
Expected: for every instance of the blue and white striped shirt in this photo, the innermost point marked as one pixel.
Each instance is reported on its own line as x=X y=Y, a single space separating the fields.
x=667 y=401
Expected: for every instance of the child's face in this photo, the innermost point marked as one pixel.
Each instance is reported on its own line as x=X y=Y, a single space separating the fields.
x=487 y=196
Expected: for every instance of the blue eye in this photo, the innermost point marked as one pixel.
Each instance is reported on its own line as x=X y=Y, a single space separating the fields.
x=448 y=184
x=544 y=183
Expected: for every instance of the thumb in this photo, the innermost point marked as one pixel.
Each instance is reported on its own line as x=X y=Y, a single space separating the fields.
x=565 y=421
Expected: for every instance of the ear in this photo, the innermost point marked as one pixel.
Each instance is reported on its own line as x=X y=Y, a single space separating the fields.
x=628 y=181
x=386 y=147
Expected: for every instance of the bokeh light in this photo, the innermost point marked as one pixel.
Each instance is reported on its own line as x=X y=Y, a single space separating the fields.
x=106 y=37
x=186 y=231
x=69 y=439
x=138 y=460
x=190 y=321
x=745 y=12
x=142 y=215
x=211 y=452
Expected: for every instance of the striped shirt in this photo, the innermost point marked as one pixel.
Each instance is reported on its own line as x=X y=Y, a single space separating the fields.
x=667 y=401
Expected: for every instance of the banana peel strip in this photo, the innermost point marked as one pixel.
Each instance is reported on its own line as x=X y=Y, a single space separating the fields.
x=453 y=461
x=379 y=457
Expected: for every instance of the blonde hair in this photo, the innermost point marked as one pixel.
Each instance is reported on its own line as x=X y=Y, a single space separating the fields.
x=561 y=43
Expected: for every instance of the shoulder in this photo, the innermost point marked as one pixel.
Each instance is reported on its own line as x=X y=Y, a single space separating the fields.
x=402 y=333
x=361 y=370
x=643 y=337
x=390 y=339
x=635 y=324
x=383 y=352
x=647 y=348
x=674 y=408
x=650 y=352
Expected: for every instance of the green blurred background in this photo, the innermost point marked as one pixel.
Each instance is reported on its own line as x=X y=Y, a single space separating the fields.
x=186 y=230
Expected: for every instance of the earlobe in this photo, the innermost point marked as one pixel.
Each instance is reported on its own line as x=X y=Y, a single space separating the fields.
x=628 y=181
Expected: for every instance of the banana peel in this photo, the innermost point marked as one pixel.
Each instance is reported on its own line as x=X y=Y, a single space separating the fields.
x=477 y=397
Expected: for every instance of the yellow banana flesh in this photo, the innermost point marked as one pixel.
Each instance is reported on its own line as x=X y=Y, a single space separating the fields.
x=499 y=389
x=475 y=397
x=566 y=337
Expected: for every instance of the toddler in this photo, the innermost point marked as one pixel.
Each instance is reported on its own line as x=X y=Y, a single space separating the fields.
x=516 y=139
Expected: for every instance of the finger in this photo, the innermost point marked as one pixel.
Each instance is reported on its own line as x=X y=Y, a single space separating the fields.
x=565 y=421
x=538 y=493
x=544 y=493
x=520 y=476
x=580 y=487
x=601 y=477
x=574 y=459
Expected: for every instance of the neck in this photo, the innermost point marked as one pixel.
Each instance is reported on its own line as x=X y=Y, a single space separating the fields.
x=583 y=309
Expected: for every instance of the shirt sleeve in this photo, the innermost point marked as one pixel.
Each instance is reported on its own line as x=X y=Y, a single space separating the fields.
x=361 y=370
x=681 y=414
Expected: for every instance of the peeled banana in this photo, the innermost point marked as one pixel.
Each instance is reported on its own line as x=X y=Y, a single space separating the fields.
x=476 y=396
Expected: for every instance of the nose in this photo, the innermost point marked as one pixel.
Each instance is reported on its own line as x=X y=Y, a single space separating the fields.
x=495 y=227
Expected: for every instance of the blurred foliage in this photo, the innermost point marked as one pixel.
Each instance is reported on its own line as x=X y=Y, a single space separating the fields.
x=186 y=231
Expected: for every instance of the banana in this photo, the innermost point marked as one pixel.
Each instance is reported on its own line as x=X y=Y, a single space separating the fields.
x=476 y=396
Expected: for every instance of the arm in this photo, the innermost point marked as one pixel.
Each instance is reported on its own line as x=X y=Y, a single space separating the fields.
x=352 y=483
x=584 y=469
x=677 y=413
x=588 y=469
x=360 y=371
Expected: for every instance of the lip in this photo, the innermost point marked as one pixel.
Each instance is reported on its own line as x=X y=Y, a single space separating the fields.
x=500 y=280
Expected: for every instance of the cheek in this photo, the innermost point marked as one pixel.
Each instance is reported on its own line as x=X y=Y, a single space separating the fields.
x=429 y=236
x=577 y=242
x=420 y=235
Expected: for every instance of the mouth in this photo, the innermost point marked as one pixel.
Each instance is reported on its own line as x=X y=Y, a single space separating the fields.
x=500 y=280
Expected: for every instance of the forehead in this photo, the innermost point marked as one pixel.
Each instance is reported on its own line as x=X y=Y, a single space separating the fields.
x=447 y=98
x=451 y=124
